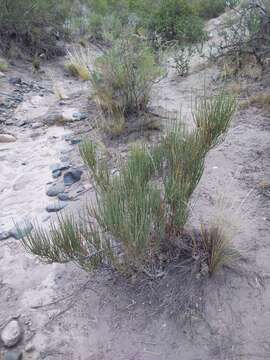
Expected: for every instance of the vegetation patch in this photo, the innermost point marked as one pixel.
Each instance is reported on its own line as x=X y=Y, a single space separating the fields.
x=245 y=36
x=34 y=26
x=122 y=80
x=137 y=224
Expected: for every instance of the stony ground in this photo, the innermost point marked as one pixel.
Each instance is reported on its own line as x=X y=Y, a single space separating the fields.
x=61 y=312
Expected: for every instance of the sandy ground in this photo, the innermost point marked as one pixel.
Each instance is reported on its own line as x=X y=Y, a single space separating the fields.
x=69 y=314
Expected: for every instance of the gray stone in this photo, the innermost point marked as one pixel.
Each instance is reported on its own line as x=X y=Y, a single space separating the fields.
x=63 y=197
x=21 y=123
x=13 y=355
x=56 y=174
x=72 y=176
x=56 y=167
x=75 y=141
x=7 y=138
x=11 y=334
x=15 y=80
x=29 y=347
x=79 y=116
x=37 y=125
x=56 y=206
x=55 y=189
x=21 y=229
x=4 y=234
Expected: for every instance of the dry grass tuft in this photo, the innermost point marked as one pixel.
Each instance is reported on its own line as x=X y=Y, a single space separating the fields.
x=217 y=247
x=79 y=62
x=261 y=100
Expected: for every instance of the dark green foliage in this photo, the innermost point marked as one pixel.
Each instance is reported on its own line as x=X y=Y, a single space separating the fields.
x=33 y=24
x=177 y=20
x=209 y=9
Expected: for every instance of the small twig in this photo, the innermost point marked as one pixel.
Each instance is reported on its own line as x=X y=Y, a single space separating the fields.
x=81 y=288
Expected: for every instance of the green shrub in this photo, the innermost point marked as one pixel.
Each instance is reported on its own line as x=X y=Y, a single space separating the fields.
x=123 y=78
x=245 y=37
x=177 y=20
x=209 y=9
x=33 y=24
x=141 y=210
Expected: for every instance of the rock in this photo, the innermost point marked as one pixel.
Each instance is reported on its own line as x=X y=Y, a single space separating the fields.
x=29 y=347
x=11 y=334
x=70 y=115
x=21 y=229
x=63 y=197
x=56 y=167
x=56 y=174
x=57 y=206
x=75 y=141
x=55 y=189
x=2 y=75
x=15 y=80
x=13 y=355
x=4 y=234
x=21 y=123
x=6 y=138
x=79 y=116
x=72 y=176
x=37 y=125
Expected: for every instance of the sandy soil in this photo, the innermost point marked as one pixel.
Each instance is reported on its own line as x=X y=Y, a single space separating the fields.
x=69 y=314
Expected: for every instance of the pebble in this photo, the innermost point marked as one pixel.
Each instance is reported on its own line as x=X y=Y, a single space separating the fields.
x=29 y=347
x=6 y=138
x=13 y=355
x=21 y=123
x=55 y=189
x=79 y=116
x=72 y=176
x=56 y=174
x=2 y=75
x=15 y=80
x=56 y=206
x=21 y=229
x=63 y=197
x=4 y=234
x=37 y=125
x=75 y=141
x=56 y=167
x=11 y=334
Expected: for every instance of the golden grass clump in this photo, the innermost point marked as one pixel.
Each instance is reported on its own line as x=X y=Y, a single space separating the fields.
x=79 y=62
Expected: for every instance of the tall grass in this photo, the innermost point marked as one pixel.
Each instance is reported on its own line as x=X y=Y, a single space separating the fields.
x=143 y=208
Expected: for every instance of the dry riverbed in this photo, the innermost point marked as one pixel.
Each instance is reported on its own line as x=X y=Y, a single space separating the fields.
x=61 y=312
